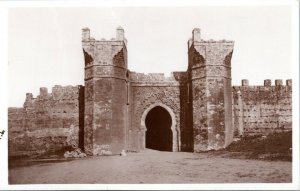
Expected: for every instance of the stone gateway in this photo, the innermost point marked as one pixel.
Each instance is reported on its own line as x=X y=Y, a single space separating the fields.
x=118 y=109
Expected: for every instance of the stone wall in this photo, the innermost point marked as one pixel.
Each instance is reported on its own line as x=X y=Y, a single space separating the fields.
x=262 y=109
x=49 y=122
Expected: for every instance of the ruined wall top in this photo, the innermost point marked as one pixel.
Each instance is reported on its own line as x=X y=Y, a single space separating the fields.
x=175 y=78
x=64 y=93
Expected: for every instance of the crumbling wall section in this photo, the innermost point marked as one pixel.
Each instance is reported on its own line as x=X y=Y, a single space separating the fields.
x=262 y=109
x=49 y=122
x=15 y=128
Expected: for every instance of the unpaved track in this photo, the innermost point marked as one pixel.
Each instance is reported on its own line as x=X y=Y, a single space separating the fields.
x=154 y=167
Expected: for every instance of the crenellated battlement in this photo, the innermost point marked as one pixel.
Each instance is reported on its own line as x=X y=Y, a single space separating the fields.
x=197 y=40
x=267 y=83
x=120 y=37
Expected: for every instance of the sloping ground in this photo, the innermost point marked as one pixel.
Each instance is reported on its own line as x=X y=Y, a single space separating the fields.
x=276 y=146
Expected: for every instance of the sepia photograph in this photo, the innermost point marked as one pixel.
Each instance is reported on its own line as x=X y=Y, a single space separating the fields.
x=150 y=96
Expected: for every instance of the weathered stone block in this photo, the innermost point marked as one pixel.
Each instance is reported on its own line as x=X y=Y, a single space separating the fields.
x=245 y=82
x=267 y=82
x=288 y=82
x=278 y=82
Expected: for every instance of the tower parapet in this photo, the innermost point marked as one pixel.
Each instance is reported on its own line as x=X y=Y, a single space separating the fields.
x=210 y=75
x=106 y=79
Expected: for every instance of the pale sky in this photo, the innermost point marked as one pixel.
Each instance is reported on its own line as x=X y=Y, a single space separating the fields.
x=44 y=44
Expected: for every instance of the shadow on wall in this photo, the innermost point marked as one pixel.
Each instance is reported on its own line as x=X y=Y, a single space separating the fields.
x=81 y=118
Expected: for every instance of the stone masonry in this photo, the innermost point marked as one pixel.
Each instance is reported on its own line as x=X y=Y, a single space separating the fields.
x=262 y=109
x=196 y=110
x=49 y=122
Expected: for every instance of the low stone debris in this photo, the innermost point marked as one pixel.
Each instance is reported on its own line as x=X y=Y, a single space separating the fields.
x=101 y=151
x=105 y=153
x=77 y=153
x=237 y=139
x=123 y=153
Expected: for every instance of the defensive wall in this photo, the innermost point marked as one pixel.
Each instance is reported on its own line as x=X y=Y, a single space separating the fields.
x=262 y=109
x=111 y=112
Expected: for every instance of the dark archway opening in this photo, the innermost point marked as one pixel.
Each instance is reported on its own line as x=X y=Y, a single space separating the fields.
x=159 y=134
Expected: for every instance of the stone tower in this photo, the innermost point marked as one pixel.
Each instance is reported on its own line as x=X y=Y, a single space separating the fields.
x=105 y=93
x=209 y=71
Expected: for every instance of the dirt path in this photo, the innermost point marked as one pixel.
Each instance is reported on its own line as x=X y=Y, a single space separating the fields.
x=154 y=167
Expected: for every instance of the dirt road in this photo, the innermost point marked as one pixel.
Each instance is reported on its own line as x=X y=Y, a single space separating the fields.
x=154 y=167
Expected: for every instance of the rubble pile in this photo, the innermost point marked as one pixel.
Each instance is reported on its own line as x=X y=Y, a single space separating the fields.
x=77 y=153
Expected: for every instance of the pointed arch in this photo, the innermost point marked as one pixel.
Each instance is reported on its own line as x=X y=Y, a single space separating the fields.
x=175 y=134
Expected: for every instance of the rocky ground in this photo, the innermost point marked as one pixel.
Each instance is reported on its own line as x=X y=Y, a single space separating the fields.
x=256 y=159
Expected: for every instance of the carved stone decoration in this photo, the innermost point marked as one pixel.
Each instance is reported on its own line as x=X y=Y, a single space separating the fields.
x=167 y=97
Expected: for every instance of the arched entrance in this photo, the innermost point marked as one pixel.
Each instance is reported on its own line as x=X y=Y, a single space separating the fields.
x=159 y=134
x=168 y=114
